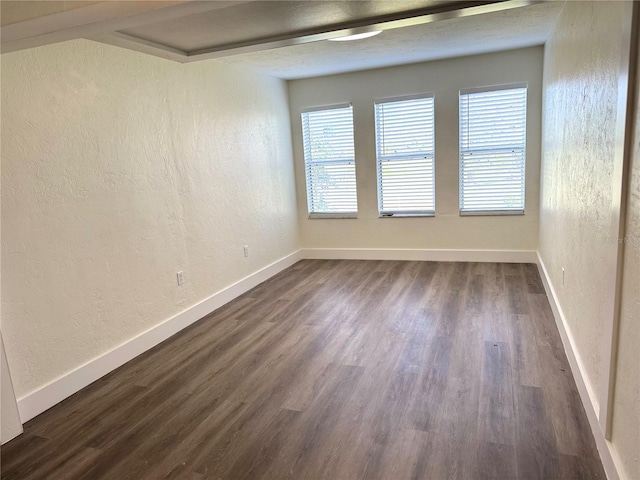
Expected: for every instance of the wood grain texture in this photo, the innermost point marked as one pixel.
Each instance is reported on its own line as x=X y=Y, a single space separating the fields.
x=337 y=370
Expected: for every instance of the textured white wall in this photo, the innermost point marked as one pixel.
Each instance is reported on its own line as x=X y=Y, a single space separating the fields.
x=118 y=170
x=582 y=62
x=626 y=405
x=443 y=78
x=581 y=68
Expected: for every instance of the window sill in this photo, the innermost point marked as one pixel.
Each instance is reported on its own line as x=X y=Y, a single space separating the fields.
x=406 y=215
x=334 y=216
x=491 y=213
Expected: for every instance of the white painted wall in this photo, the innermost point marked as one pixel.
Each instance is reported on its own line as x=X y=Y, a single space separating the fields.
x=118 y=170
x=443 y=78
x=582 y=62
x=581 y=69
x=626 y=405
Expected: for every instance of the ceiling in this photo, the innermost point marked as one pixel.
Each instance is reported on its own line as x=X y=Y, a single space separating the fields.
x=287 y=39
x=240 y=22
x=485 y=33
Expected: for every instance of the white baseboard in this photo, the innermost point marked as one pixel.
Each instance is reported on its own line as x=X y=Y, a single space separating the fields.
x=49 y=395
x=587 y=394
x=54 y=392
x=505 y=256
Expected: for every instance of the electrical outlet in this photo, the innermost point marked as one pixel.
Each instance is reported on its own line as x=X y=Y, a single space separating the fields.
x=563 y=276
x=246 y=250
x=180 y=278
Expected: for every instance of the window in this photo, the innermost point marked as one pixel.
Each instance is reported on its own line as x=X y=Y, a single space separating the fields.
x=492 y=150
x=405 y=152
x=330 y=161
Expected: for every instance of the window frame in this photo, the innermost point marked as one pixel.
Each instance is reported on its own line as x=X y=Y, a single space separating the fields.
x=492 y=212
x=306 y=162
x=404 y=213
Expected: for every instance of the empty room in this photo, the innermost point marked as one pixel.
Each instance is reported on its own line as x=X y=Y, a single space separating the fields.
x=315 y=239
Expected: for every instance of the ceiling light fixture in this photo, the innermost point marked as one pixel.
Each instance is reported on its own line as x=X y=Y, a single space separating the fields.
x=357 y=36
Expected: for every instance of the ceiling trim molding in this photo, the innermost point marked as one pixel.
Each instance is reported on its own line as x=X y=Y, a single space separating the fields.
x=123 y=40
x=388 y=22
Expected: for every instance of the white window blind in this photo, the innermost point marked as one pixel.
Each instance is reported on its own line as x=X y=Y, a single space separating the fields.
x=330 y=161
x=492 y=149
x=405 y=155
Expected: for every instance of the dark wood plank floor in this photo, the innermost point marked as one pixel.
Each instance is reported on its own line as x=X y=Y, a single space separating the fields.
x=336 y=370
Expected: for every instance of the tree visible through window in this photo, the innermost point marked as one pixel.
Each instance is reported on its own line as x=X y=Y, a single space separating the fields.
x=405 y=155
x=330 y=161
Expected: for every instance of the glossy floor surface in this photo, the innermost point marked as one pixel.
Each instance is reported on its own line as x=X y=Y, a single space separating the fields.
x=337 y=370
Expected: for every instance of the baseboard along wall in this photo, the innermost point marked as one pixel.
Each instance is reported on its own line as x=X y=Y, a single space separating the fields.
x=503 y=256
x=53 y=393
x=585 y=389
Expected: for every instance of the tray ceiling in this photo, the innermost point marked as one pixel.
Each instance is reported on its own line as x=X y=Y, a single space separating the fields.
x=287 y=38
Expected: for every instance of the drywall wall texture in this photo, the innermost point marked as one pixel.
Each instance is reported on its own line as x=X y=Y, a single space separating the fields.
x=581 y=69
x=443 y=78
x=582 y=62
x=626 y=406
x=119 y=170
